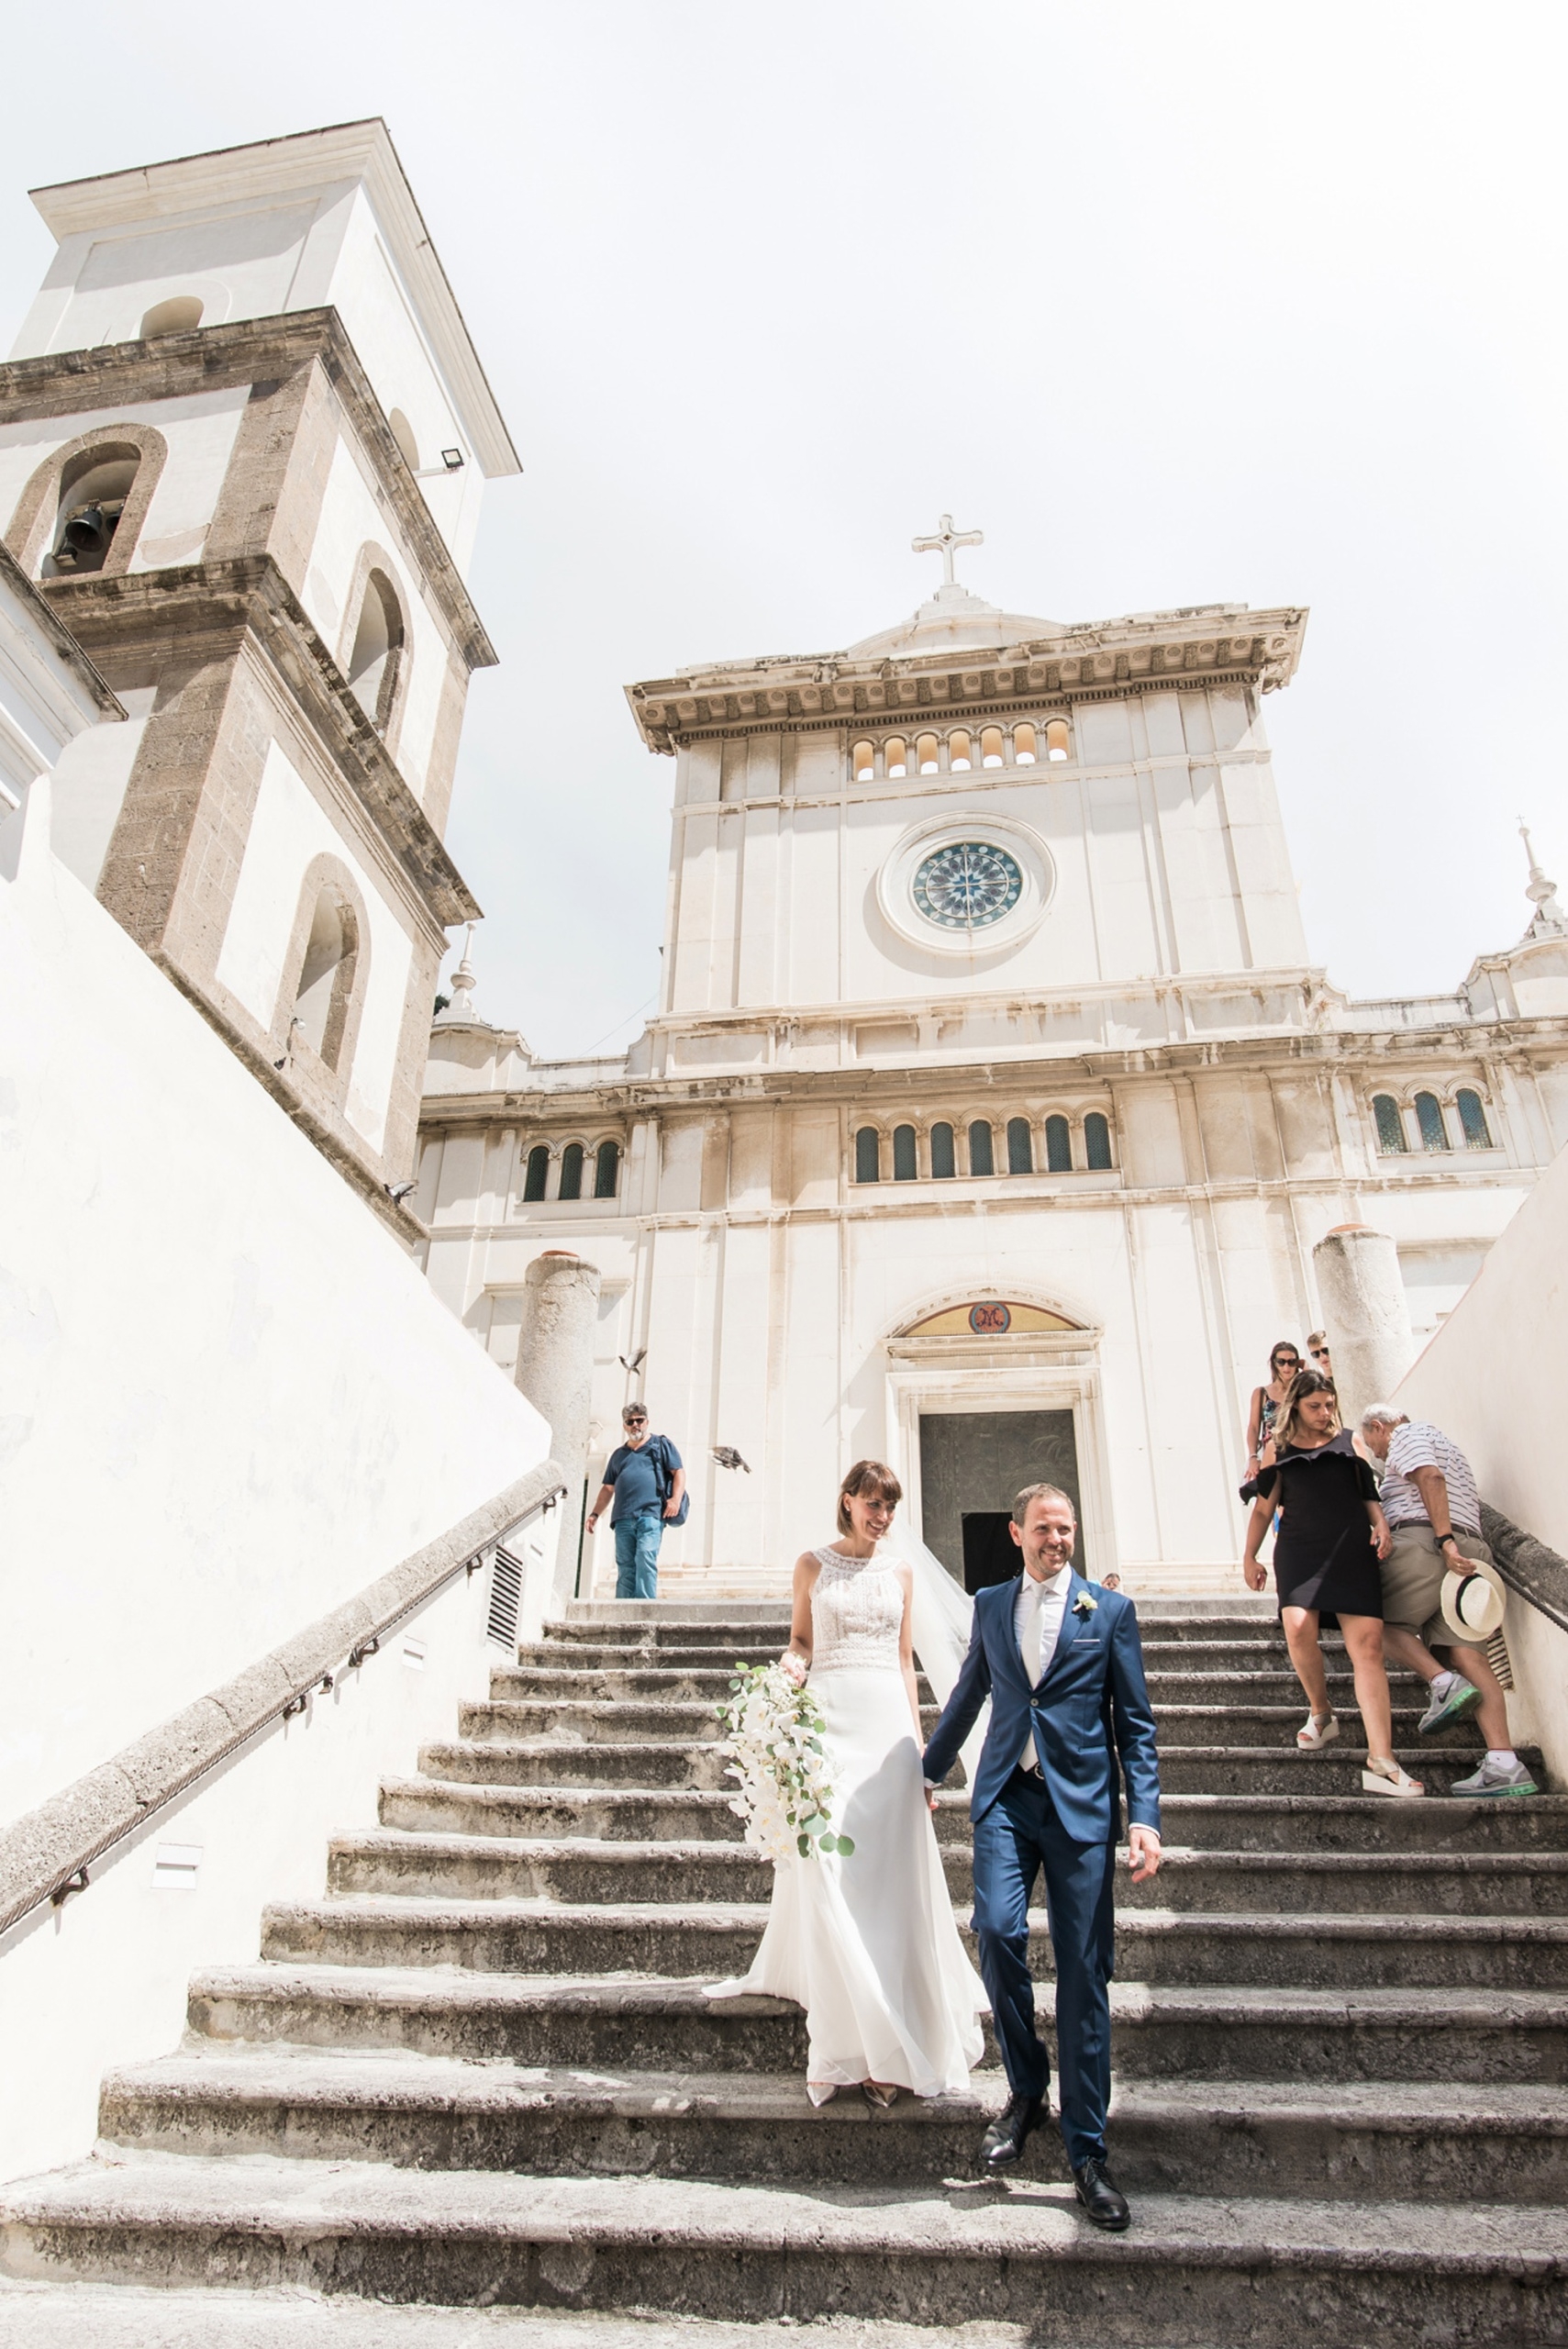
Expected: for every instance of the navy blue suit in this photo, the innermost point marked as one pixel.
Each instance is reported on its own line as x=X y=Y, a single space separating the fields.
x=1089 y=1709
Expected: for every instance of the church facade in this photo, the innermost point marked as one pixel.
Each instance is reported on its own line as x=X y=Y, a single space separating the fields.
x=993 y=1103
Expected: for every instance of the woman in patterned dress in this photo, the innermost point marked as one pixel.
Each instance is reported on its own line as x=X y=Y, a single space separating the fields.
x=867 y=1944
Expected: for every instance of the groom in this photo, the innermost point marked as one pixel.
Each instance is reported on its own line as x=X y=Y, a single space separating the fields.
x=1061 y=1665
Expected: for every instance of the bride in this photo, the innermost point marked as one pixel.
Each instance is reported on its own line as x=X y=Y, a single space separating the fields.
x=867 y=1944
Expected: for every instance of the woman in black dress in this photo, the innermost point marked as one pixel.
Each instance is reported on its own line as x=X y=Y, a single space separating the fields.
x=1332 y=1535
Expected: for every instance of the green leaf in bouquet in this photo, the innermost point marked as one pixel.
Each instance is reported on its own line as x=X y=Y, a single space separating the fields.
x=828 y=1843
x=846 y=1845
x=803 y=1844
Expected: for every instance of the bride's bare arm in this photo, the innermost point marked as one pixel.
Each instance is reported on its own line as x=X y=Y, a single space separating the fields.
x=796 y=1657
x=906 y=1649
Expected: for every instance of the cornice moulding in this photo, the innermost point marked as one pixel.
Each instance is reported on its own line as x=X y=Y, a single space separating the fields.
x=1103 y=662
x=912 y=1081
x=250 y=594
x=115 y=374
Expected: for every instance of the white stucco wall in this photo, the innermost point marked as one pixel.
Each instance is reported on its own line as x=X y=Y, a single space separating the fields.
x=200 y=432
x=230 y=1400
x=289 y=827
x=103 y=1980
x=1492 y=1379
x=1162 y=829
x=254 y=259
x=351 y=517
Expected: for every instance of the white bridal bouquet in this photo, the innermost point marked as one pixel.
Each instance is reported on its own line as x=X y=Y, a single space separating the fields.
x=774 y=1735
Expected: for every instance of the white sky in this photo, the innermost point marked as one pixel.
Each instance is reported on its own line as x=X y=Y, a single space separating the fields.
x=1178 y=305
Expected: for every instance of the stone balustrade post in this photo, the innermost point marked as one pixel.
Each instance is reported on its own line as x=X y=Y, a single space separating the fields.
x=1365 y=1311
x=555 y=1371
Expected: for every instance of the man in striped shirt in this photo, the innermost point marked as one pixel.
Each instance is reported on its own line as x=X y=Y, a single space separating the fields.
x=1433 y=1508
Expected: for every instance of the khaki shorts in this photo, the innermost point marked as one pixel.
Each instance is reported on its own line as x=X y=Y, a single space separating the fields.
x=1413 y=1580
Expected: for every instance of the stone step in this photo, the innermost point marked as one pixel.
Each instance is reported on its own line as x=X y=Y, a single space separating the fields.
x=1273 y=1696
x=1267 y=2271
x=554 y=1655
x=1351 y=1824
x=1334 y=1770
x=594 y=1721
x=623 y=1684
x=563 y=1760
x=133 y=2316
x=435 y=2113
x=602 y=2023
x=558 y=1762
x=717 y=1940
x=585 y=1869
x=1356 y=1823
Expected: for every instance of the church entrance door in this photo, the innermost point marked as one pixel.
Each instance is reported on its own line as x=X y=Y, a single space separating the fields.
x=971 y=1465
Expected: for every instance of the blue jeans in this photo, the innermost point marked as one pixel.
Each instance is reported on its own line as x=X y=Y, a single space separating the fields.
x=637 y=1555
x=1019 y=1835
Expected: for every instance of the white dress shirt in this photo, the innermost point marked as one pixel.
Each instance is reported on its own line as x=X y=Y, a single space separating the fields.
x=1036 y=1624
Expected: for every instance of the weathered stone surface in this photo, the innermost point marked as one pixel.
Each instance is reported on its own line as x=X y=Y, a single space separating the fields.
x=484 y=2066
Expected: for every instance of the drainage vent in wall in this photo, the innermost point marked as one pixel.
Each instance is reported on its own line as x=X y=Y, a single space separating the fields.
x=505 y=1595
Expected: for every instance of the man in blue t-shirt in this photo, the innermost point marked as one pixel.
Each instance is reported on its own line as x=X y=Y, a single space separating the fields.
x=645 y=1480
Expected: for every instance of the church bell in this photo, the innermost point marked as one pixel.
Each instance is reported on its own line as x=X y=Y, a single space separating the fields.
x=85 y=534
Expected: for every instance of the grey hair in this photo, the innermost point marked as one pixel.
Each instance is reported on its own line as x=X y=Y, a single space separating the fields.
x=1383 y=1415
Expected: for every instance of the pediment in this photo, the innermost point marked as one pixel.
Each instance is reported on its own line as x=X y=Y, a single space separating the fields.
x=988 y=1316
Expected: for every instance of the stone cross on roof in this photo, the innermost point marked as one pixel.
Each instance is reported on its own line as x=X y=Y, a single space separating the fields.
x=943 y=543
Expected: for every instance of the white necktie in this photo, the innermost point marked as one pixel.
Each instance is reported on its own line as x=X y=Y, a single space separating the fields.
x=1030 y=1644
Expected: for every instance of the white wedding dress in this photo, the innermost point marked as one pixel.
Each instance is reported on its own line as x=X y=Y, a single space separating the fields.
x=867 y=1944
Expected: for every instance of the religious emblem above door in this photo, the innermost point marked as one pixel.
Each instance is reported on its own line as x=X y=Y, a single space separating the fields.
x=989 y=1317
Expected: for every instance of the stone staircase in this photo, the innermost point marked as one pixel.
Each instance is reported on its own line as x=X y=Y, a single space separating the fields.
x=481 y=2070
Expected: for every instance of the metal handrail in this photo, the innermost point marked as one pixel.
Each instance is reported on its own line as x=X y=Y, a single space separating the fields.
x=46 y=1855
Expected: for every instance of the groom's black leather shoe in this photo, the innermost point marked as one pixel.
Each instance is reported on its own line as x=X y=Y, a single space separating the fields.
x=1003 y=2140
x=1102 y=2201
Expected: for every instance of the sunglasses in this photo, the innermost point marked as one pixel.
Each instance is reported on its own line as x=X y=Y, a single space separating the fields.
x=1285 y=1361
x=1321 y=1354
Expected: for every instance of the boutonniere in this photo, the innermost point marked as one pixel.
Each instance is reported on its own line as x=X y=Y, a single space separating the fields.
x=1084 y=1604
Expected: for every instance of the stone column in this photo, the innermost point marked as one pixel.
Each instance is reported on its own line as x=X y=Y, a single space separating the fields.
x=1366 y=1314
x=555 y=1371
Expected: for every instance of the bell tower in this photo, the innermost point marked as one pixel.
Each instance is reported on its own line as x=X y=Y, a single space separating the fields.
x=243 y=440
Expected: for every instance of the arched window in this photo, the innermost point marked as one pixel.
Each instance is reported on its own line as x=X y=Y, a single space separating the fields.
x=536 y=1172
x=905 y=1167
x=1020 y=1147
x=1056 y=738
x=990 y=745
x=862 y=762
x=1429 y=1118
x=571 y=1170
x=1472 y=1119
x=181 y=314
x=403 y=433
x=377 y=655
x=868 y=1155
x=1391 y=1143
x=1023 y=744
x=981 y=1160
x=943 y=1163
x=1097 y=1142
x=93 y=494
x=1058 y=1147
x=960 y=752
x=926 y=749
x=606 y=1169
x=895 y=754
x=327 y=975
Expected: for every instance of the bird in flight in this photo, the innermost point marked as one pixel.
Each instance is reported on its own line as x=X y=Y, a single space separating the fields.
x=728 y=1457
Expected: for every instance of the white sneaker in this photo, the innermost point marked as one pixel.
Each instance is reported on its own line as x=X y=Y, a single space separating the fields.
x=1496 y=1778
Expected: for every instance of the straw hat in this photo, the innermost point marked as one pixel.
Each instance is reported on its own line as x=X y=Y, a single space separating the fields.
x=1473 y=1603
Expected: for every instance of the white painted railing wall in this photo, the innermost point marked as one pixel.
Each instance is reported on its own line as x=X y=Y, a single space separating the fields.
x=1496 y=1378
x=230 y=1403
